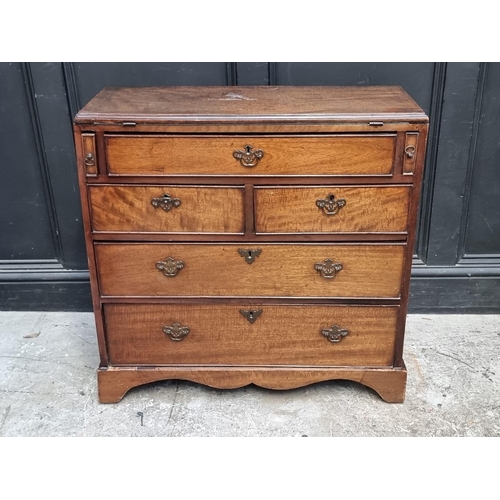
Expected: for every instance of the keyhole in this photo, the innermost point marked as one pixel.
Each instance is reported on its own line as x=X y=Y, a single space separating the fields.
x=251 y=315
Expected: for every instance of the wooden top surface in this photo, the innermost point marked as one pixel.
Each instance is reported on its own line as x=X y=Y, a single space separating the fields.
x=283 y=104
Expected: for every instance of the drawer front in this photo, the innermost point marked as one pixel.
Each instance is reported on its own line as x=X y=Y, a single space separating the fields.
x=169 y=209
x=277 y=155
x=171 y=270
x=331 y=209
x=280 y=335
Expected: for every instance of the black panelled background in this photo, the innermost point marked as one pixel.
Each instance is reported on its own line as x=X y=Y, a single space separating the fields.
x=43 y=265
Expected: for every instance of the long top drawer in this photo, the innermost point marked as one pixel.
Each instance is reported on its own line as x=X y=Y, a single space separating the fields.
x=153 y=155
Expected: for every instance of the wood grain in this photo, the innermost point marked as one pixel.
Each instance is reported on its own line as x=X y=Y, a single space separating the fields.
x=226 y=180
x=286 y=104
x=283 y=155
x=251 y=238
x=280 y=270
x=368 y=209
x=389 y=383
x=202 y=209
x=220 y=335
x=255 y=127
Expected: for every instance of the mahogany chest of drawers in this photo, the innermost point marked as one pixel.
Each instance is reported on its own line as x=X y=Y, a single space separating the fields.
x=242 y=235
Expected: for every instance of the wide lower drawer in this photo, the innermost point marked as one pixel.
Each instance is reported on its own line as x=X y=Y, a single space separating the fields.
x=331 y=209
x=167 y=209
x=222 y=334
x=357 y=154
x=287 y=270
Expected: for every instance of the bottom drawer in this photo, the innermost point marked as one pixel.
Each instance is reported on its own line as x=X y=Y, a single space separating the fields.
x=313 y=335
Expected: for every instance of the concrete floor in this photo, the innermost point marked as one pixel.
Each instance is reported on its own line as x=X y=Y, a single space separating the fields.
x=48 y=388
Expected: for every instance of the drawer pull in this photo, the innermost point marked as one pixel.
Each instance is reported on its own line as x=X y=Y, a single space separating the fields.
x=328 y=269
x=251 y=315
x=248 y=157
x=249 y=255
x=330 y=205
x=170 y=267
x=166 y=202
x=89 y=160
x=334 y=333
x=410 y=152
x=176 y=331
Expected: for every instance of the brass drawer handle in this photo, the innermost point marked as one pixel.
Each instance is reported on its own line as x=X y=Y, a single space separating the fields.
x=330 y=205
x=328 y=268
x=166 y=202
x=170 y=267
x=249 y=255
x=176 y=331
x=251 y=315
x=89 y=160
x=334 y=333
x=248 y=157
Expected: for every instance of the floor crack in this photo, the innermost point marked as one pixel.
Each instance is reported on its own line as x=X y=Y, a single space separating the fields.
x=456 y=359
x=4 y=418
x=173 y=405
x=76 y=335
x=58 y=362
x=8 y=391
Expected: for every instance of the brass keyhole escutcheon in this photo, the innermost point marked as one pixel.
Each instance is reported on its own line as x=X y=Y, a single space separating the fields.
x=330 y=205
x=249 y=255
x=251 y=315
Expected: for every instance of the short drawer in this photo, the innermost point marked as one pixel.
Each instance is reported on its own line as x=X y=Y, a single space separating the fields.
x=288 y=270
x=168 y=209
x=222 y=335
x=332 y=209
x=250 y=155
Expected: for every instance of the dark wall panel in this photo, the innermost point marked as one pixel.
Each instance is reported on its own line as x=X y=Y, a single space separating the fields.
x=460 y=295
x=252 y=73
x=483 y=209
x=452 y=163
x=25 y=227
x=56 y=125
